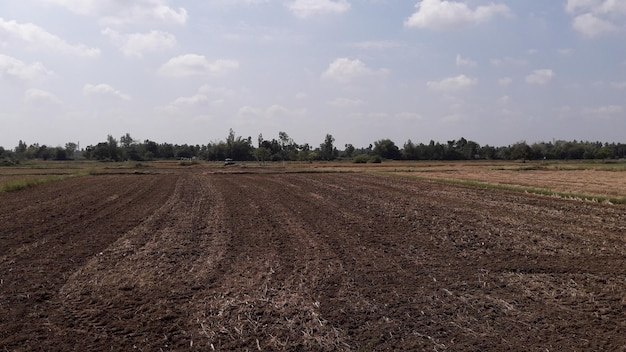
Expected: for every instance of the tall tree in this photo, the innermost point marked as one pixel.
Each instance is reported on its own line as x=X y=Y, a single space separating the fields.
x=262 y=154
x=126 y=141
x=327 y=149
x=386 y=149
x=21 y=147
x=70 y=148
x=349 y=150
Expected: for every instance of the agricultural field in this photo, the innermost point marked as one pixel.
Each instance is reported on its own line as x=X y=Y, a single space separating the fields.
x=320 y=257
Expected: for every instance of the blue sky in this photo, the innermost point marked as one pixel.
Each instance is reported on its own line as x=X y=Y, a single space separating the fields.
x=495 y=72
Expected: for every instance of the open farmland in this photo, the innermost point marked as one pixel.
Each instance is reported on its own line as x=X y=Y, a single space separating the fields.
x=177 y=259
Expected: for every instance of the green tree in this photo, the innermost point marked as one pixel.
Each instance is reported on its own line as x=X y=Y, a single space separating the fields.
x=239 y=148
x=410 y=151
x=520 y=151
x=349 y=150
x=166 y=151
x=184 y=151
x=230 y=142
x=217 y=150
x=470 y=150
x=3 y=153
x=21 y=147
x=44 y=153
x=70 y=149
x=60 y=154
x=126 y=141
x=150 y=149
x=262 y=154
x=284 y=139
x=327 y=149
x=115 y=154
x=386 y=149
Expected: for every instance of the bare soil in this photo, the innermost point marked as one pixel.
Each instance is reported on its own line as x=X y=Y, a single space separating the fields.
x=306 y=261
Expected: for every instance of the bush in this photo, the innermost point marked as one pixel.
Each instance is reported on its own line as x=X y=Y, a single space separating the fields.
x=8 y=162
x=376 y=159
x=360 y=159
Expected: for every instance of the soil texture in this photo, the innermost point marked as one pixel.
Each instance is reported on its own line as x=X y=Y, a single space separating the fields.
x=306 y=261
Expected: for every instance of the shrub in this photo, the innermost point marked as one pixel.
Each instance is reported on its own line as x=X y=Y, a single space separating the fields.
x=8 y=162
x=376 y=159
x=360 y=159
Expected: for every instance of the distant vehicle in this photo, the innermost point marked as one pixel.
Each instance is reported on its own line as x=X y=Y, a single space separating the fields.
x=229 y=161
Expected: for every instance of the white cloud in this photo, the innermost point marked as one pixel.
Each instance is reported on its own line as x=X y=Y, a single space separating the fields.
x=344 y=70
x=308 y=8
x=195 y=65
x=593 y=18
x=126 y=12
x=272 y=112
x=39 y=97
x=205 y=95
x=452 y=83
x=345 y=102
x=464 y=62
x=249 y=110
x=104 y=90
x=192 y=100
x=540 y=77
x=565 y=51
x=591 y=26
x=12 y=67
x=36 y=37
x=451 y=15
x=505 y=81
x=136 y=44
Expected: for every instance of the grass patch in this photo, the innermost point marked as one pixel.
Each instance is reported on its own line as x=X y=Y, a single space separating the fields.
x=189 y=163
x=29 y=183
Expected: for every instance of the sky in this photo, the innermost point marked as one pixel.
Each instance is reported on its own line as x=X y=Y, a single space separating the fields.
x=496 y=71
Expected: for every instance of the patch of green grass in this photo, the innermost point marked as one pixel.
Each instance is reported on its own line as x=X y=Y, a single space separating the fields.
x=29 y=183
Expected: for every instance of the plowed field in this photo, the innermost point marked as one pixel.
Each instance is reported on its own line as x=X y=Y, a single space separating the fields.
x=306 y=261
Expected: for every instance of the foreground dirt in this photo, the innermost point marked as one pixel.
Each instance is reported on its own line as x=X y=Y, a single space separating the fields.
x=296 y=262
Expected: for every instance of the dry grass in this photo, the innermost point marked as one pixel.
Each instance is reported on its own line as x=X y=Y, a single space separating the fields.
x=604 y=180
x=577 y=179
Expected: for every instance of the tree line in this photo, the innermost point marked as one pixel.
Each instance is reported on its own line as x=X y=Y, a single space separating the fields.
x=284 y=148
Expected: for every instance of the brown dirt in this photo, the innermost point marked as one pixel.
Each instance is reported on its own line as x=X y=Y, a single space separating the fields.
x=323 y=262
